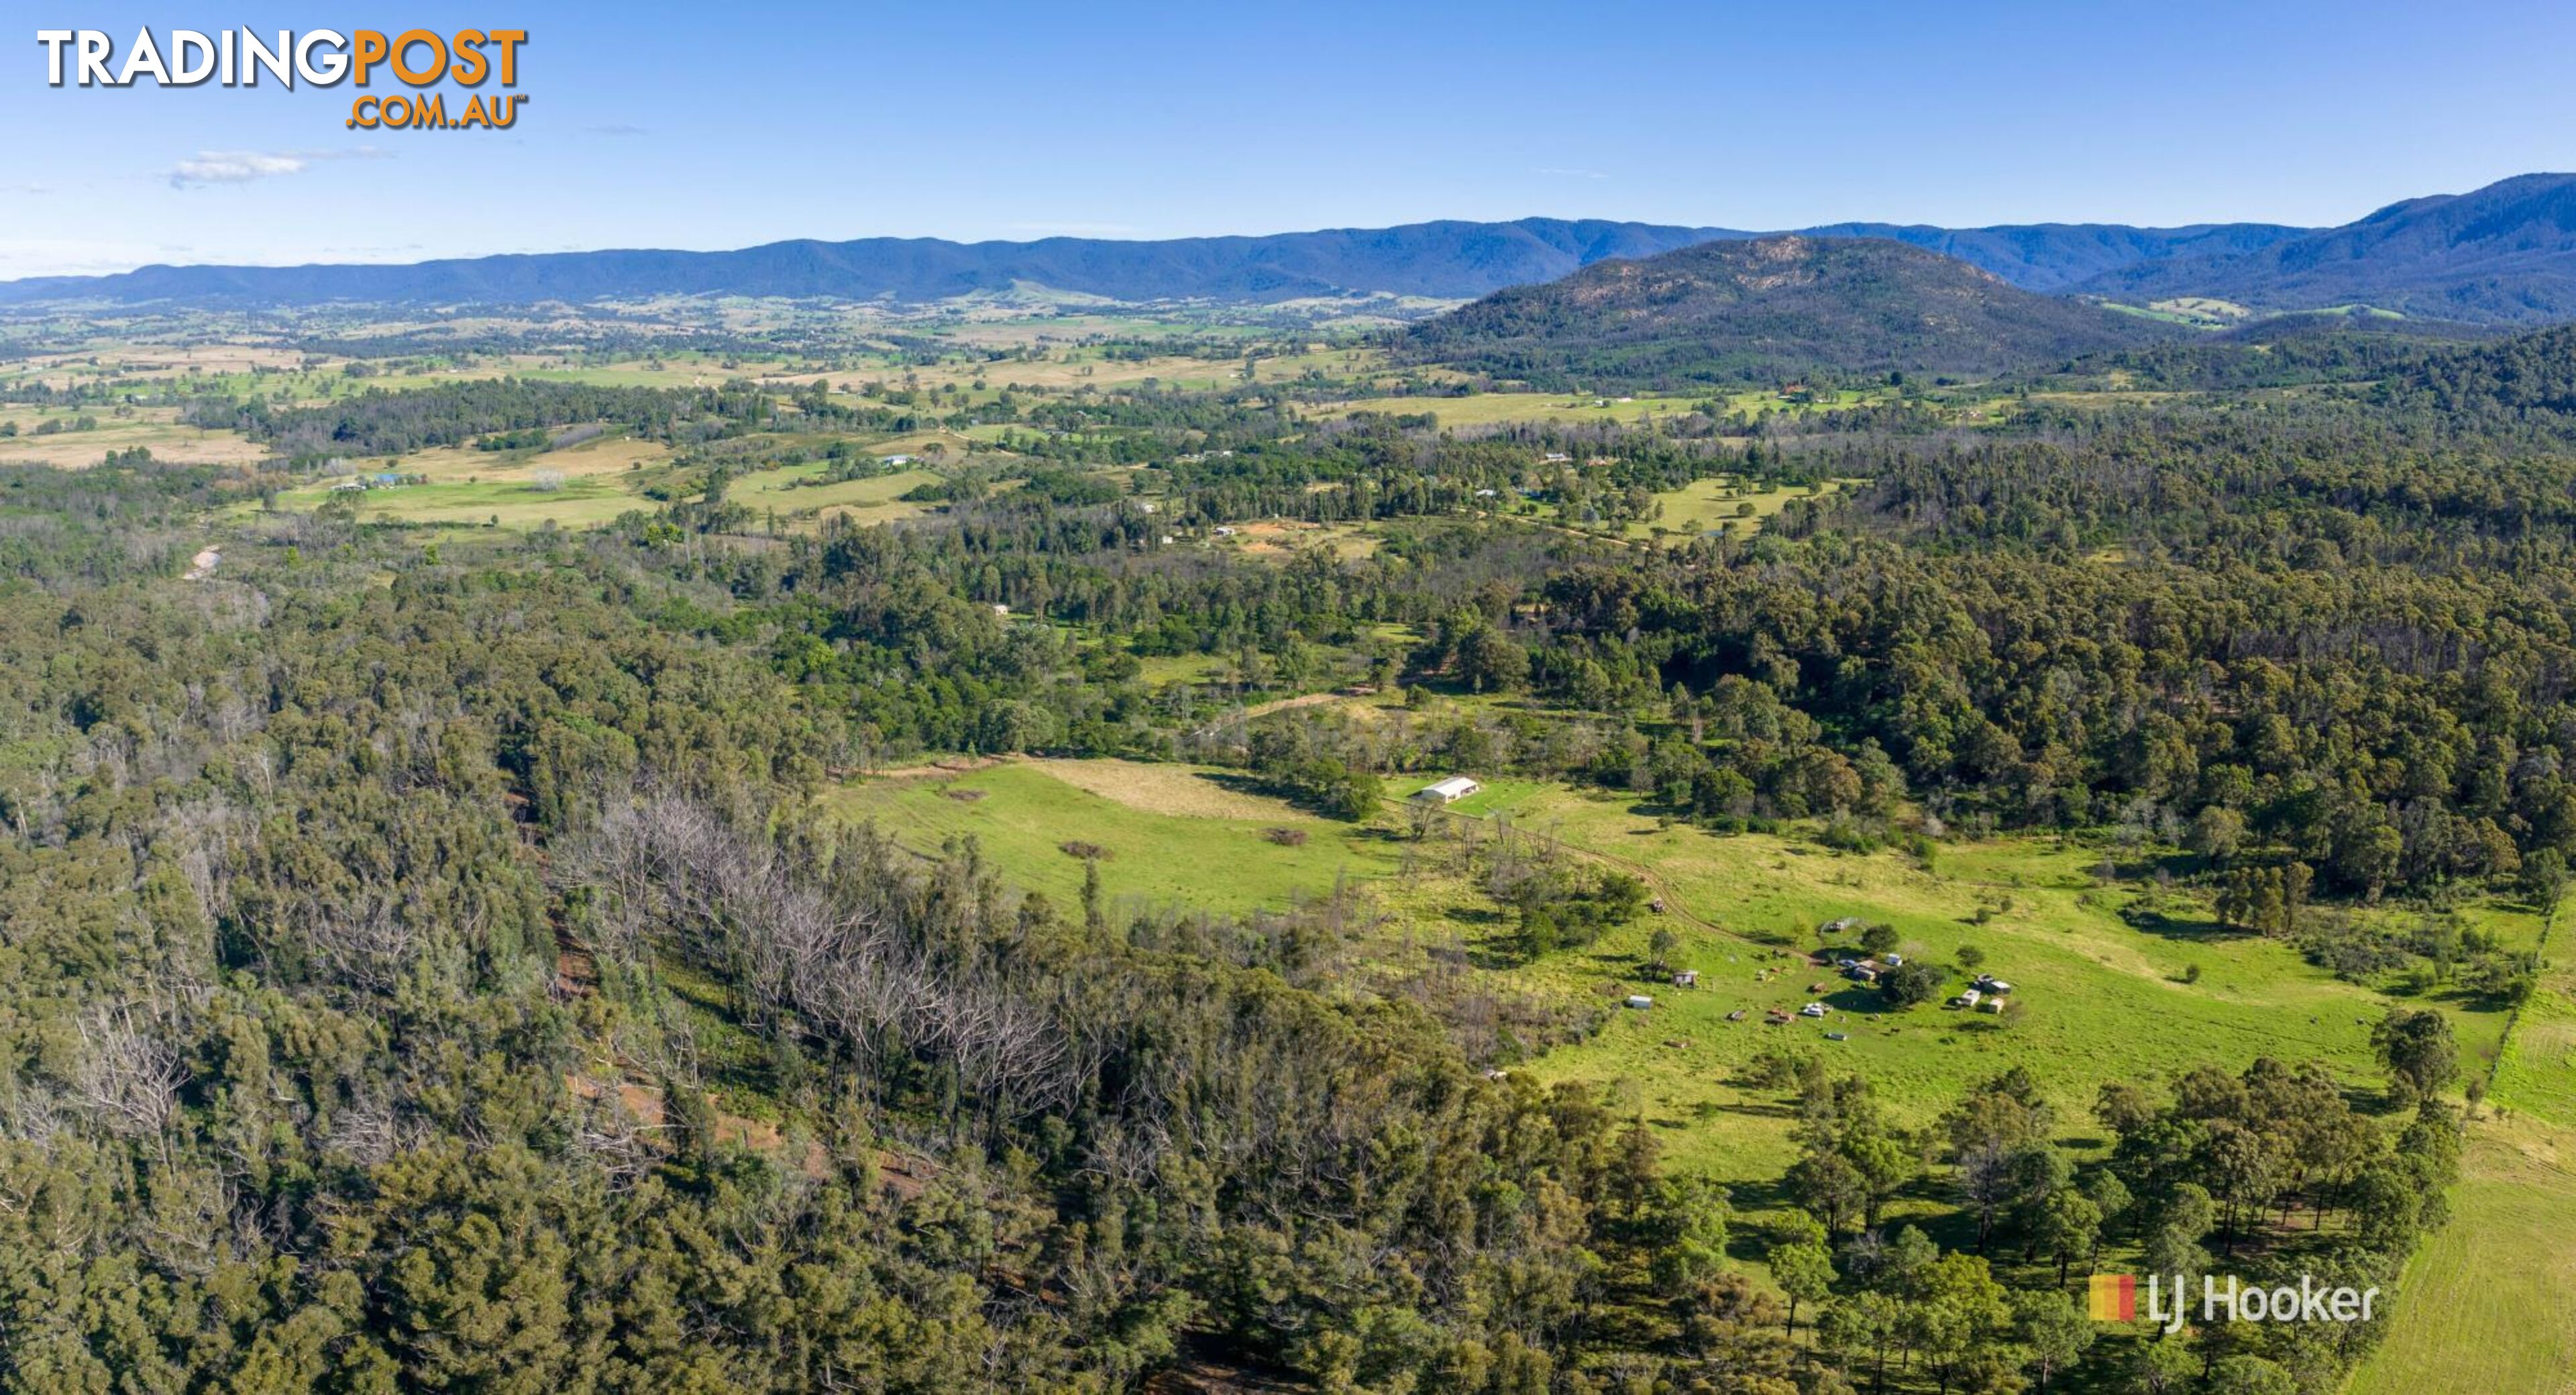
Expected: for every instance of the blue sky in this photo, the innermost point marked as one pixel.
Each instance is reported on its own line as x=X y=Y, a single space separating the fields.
x=712 y=125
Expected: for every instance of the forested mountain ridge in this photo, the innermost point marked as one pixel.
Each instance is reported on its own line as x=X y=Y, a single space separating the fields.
x=2052 y=257
x=2502 y=254
x=1444 y=260
x=1766 y=310
x=1438 y=259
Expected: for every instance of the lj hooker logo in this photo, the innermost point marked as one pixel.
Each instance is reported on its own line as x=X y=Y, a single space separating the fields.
x=2115 y=1298
x=416 y=58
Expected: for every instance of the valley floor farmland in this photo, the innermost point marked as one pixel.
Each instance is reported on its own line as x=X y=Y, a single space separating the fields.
x=2108 y=998
x=2117 y=990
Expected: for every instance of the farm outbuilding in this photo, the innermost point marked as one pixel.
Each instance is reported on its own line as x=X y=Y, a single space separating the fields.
x=1448 y=791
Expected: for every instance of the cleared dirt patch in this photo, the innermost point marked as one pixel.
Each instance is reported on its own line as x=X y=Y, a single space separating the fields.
x=1160 y=789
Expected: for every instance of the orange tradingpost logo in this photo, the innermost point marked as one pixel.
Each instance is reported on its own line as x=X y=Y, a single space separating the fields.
x=2115 y=1298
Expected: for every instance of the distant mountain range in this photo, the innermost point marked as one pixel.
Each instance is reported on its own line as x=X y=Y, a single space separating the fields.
x=1445 y=260
x=2504 y=254
x=1448 y=260
x=1766 y=310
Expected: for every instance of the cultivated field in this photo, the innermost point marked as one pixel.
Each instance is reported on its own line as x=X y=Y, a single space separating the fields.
x=2489 y=1303
x=522 y=502
x=155 y=429
x=2537 y=1074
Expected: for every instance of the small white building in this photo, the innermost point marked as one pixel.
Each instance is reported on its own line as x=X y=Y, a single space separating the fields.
x=1640 y=1001
x=1812 y=1010
x=1687 y=978
x=1448 y=791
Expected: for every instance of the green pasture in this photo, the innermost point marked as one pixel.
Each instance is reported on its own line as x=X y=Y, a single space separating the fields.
x=1021 y=816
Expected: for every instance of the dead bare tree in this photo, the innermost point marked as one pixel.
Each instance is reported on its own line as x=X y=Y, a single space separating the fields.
x=129 y=1075
x=671 y=874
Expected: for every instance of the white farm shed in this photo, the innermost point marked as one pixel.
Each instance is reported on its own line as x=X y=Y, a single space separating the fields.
x=1448 y=791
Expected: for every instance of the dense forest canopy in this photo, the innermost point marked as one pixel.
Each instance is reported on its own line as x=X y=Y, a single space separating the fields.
x=428 y=959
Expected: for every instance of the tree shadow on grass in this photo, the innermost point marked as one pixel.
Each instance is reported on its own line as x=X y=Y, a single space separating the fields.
x=2184 y=929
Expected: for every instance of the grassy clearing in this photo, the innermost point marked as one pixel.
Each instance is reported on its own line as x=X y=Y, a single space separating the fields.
x=1499 y=796
x=2489 y=1303
x=1495 y=408
x=581 y=502
x=1176 y=835
x=2536 y=1074
x=601 y=455
x=1710 y=505
x=1178 y=790
x=2106 y=1000
x=1279 y=539
x=1159 y=670
x=875 y=499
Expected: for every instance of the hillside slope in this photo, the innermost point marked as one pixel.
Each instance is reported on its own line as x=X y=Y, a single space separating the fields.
x=1766 y=309
x=2054 y=256
x=2504 y=254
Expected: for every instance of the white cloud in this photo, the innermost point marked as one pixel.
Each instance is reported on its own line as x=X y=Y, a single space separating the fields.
x=243 y=166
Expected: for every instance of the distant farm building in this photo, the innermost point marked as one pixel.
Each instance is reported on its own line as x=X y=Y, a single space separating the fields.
x=1640 y=1000
x=1448 y=791
x=1687 y=978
